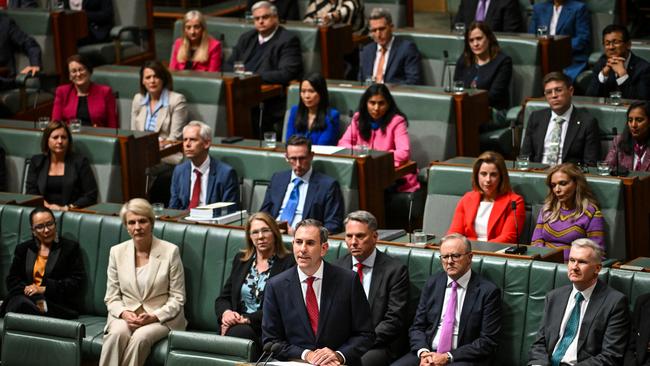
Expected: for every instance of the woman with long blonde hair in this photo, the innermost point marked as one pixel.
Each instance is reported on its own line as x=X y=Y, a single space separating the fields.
x=196 y=49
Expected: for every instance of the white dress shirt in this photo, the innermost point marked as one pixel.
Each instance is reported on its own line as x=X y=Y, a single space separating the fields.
x=302 y=190
x=368 y=264
x=619 y=80
x=389 y=46
x=547 y=139
x=141 y=277
x=554 y=18
x=571 y=355
x=481 y=220
x=204 y=168
x=263 y=40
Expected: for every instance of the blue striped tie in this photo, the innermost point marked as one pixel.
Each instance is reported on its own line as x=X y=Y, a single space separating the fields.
x=292 y=203
x=569 y=332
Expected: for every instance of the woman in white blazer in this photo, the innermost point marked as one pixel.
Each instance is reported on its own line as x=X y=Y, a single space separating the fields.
x=145 y=292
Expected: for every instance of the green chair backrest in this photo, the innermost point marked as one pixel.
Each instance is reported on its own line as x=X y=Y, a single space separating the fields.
x=198 y=349
x=37 y=23
x=603 y=13
x=397 y=9
x=641 y=49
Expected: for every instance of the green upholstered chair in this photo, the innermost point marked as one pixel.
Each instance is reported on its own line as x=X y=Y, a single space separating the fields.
x=29 y=340
x=603 y=13
x=397 y=9
x=641 y=49
x=198 y=349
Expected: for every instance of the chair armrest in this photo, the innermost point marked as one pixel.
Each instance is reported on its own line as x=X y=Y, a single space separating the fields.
x=118 y=30
x=211 y=344
x=44 y=326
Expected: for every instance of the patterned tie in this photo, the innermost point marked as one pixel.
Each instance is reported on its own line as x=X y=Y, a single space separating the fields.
x=196 y=192
x=554 y=152
x=360 y=271
x=289 y=211
x=447 y=329
x=312 y=304
x=379 y=74
x=639 y=151
x=480 y=11
x=569 y=332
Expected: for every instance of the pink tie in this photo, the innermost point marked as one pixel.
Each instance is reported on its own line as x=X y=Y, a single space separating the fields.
x=447 y=329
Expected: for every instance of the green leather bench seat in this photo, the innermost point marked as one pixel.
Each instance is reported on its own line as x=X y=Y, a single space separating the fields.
x=198 y=349
x=204 y=93
x=231 y=28
x=430 y=113
x=447 y=184
x=103 y=153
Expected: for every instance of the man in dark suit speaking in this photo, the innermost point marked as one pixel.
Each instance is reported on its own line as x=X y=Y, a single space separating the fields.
x=385 y=281
x=585 y=322
x=317 y=312
x=459 y=314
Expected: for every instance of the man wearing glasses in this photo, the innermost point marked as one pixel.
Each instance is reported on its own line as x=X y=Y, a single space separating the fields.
x=618 y=69
x=459 y=314
x=561 y=133
x=302 y=193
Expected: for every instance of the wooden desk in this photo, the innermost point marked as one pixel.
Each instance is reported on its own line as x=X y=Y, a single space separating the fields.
x=472 y=110
x=9 y=198
x=335 y=41
x=639 y=264
x=555 y=52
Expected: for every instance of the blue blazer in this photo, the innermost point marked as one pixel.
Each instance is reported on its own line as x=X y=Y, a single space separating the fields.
x=403 y=63
x=328 y=136
x=575 y=22
x=480 y=319
x=324 y=201
x=223 y=185
x=344 y=322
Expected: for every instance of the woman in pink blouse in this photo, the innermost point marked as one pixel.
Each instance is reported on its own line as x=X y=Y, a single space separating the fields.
x=380 y=125
x=196 y=50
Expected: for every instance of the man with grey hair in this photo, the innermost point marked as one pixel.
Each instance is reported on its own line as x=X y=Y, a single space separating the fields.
x=585 y=322
x=389 y=59
x=200 y=179
x=272 y=52
x=316 y=311
x=459 y=314
x=385 y=281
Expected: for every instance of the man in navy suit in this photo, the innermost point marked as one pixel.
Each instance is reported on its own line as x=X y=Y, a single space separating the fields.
x=385 y=282
x=500 y=15
x=459 y=314
x=389 y=59
x=200 y=179
x=317 y=312
x=619 y=69
x=302 y=192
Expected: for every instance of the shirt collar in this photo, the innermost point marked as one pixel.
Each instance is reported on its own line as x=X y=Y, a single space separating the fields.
x=586 y=293
x=462 y=281
x=389 y=45
x=203 y=168
x=566 y=116
x=164 y=98
x=263 y=40
x=368 y=262
x=305 y=178
x=318 y=274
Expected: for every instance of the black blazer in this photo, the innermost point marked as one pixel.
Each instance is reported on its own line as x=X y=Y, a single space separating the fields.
x=282 y=57
x=79 y=188
x=502 y=15
x=63 y=279
x=100 y=18
x=637 y=352
x=637 y=85
x=494 y=77
x=581 y=143
x=230 y=296
x=388 y=298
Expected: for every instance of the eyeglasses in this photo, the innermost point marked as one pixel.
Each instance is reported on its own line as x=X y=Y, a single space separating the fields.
x=262 y=17
x=454 y=257
x=615 y=43
x=259 y=232
x=41 y=227
x=77 y=71
x=557 y=90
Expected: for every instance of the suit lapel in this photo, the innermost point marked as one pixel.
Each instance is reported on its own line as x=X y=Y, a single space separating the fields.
x=69 y=174
x=498 y=209
x=439 y=292
x=565 y=15
x=52 y=258
x=470 y=298
x=129 y=259
x=30 y=260
x=328 y=288
x=377 y=277
x=294 y=288
x=163 y=114
x=186 y=181
x=154 y=265
x=391 y=57
x=571 y=132
x=556 y=314
x=595 y=303
x=209 y=195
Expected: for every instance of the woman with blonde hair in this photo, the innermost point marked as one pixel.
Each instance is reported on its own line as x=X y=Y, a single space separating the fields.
x=570 y=211
x=196 y=49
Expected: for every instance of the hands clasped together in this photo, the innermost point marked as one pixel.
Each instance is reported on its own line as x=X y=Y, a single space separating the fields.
x=135 y=321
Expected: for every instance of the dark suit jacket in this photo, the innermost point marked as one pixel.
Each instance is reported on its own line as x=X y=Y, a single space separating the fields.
x=100 y=18
x=344 y=322
x=22 y=4
x=388 y=298
x=581 y=143
x=494 y=77
x=230 y=297
x=287 y=9
x=79 y=185
x=637 y=85
x=324 y=201
x=63 y=278
x=603 y=331
x=282 y=58
x=223 y=185
x=637 y=353
x=403 y=65
x=502 y=15
x=480 y=318
x=14 y=40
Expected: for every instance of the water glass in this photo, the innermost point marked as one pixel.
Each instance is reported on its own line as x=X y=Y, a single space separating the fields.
x=522 y=162
x=75 y=125
x=459 y=86
x=158 y=209
x=542 y=31
x=269 y=139
x=362 y=149
x=43 y=122
x=248 y=17
x=419 y=239
x=239 y=67
x=603 y=168
x=369 y=81
x=615 y=98
x=459 y=29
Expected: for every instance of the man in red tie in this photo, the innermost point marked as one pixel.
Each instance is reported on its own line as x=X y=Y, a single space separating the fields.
x=317 y=312
x=200 y=179
x=459 y=314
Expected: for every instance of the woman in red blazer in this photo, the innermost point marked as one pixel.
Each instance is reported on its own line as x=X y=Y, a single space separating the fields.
x=486 y=213
x=93 y=104
x=196 y=49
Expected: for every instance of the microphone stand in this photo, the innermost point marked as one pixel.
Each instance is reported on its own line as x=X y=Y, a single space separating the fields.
x=260 y=123
x=518 y=249
x=513 y=126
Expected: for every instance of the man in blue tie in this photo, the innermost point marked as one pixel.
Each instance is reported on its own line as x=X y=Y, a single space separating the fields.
x=302 y=193
x=585 y=322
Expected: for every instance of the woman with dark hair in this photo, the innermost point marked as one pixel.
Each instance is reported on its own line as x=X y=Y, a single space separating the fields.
x=485 y=213
x=483 y=66
x=239 y=307
x=380 y=125
x=92 y=103
x=313 y=117
x=62 y=177
x=196 y=49
x=46 y=273
x=156 y=107
x=632 y=144
x=570 y=211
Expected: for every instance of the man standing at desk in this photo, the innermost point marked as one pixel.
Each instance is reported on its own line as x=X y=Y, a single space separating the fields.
x=318 y=312
x=274 y=54
x=303 y=193
x=201 y=180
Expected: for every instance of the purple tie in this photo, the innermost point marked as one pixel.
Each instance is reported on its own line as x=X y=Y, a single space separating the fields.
x=480 y=11
x=447 y=329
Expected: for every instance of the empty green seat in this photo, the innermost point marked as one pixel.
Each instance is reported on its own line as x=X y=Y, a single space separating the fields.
x=198 y=349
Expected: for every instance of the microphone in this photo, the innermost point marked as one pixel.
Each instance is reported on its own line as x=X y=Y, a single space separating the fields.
x=260 y=123
x=410 y=226
x=513 y=126
x=445 y=57
x=275 y=348
x=518 y=249
x=265 y=350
